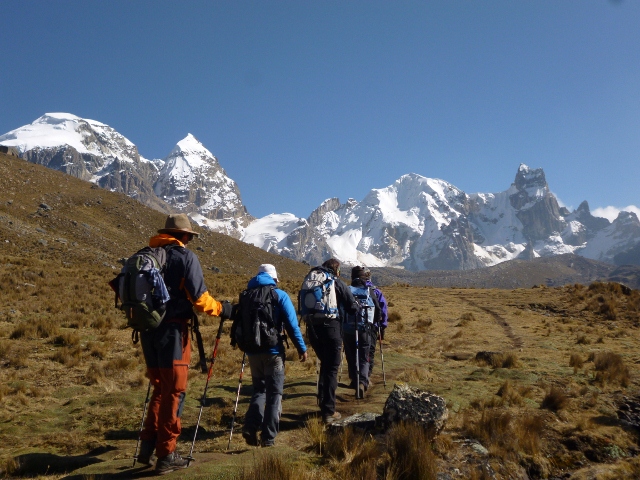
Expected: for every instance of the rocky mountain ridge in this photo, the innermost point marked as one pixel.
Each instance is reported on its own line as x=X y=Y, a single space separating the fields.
x=420 y=223
x=417 y=223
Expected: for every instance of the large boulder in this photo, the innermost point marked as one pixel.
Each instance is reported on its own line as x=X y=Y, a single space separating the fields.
x=408 y=404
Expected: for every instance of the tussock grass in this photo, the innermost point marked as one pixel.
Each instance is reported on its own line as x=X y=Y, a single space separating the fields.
x=316 y=434
x=505 y=434
x=410 y=454
x=576 y=361
x=269 y=467
x=466 y=318
x=498 y=359
x=555 y=399
x=610 y=368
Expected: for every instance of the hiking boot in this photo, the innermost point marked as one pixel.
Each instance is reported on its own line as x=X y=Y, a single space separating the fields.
x=361 y=390
x=251 y=437
x=330 y=418
x=170 y=463
x=145 y=455
x=269 y=443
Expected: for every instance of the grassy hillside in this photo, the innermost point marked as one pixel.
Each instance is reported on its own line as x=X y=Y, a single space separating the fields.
x=542 y=401
x=549 y=271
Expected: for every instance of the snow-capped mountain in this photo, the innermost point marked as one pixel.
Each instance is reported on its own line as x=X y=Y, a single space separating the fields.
x=416 y=223
x=192 y=180
x=89 y=150
x=422 y=223
x=188 y=180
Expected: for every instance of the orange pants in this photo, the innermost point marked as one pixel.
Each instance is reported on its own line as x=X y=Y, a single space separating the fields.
x=167 y=352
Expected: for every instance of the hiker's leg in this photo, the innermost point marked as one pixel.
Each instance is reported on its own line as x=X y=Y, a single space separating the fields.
x=350 y=355
x=150 y=426
x=313 y=335
x=365 y=349
x=331 y=364
x=255 y=414
x=372 y=350
x=175 y=357
x=274 y=374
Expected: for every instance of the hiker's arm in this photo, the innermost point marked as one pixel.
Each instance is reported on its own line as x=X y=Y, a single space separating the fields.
x=384 y=312
x=196 y=290
x=207 y=304
x=290 y=321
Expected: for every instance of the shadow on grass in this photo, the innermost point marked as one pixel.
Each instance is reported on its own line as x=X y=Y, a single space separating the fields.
x=292 y=421
x=34 y=464
x=127 y=472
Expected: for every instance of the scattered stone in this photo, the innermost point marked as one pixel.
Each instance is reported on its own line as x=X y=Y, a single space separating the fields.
x=215 y=269
x=478 y=448
x=629 y=411
x=43 y=242
x=40 y=230
x=45 y=207
x=361 y=421
x=407 y=404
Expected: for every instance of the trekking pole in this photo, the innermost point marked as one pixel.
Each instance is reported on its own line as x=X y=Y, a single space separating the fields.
x=357 y=365
x=317 y=381
x=341 y=362
x=144 y=414
x=235 y=409
x=203 y=400
x=384 y=377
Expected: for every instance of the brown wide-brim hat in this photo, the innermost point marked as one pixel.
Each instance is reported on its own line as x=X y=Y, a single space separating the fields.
x=178 y=223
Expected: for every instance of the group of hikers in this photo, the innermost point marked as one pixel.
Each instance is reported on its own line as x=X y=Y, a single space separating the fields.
x=338 y=318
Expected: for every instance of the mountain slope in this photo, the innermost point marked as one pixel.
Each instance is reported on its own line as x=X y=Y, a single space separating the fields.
x=58 y=218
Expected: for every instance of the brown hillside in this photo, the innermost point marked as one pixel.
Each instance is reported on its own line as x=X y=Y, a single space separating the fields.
x=54 y=217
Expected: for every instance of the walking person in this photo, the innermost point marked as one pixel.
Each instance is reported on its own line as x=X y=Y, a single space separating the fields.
x=267 y=363
x=167 y=348
x=324 y=328
x=360 y=371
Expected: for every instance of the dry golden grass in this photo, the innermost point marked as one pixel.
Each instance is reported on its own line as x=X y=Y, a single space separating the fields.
x=71 y=380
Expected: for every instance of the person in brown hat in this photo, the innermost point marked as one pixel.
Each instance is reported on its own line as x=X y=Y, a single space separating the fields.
x=167 y=349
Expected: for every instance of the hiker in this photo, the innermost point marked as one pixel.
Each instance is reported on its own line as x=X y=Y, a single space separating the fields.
x=267 y=364
x=167 y=348
x=324 y=330
x=362 y=288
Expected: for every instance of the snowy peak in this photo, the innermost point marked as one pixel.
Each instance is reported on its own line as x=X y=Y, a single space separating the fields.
x=192 y=181
x=54 y=131
x=188 y=180
x=193 y=152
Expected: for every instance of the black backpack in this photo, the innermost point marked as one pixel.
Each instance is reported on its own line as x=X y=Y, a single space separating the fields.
x=254 y=329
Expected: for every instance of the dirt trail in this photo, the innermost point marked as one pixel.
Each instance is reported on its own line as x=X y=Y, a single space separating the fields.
x=500 y=320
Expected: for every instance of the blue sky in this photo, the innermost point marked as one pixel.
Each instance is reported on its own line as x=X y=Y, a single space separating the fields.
x=301 y=101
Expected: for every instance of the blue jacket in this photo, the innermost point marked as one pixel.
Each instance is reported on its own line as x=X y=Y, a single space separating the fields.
x=284 y=314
